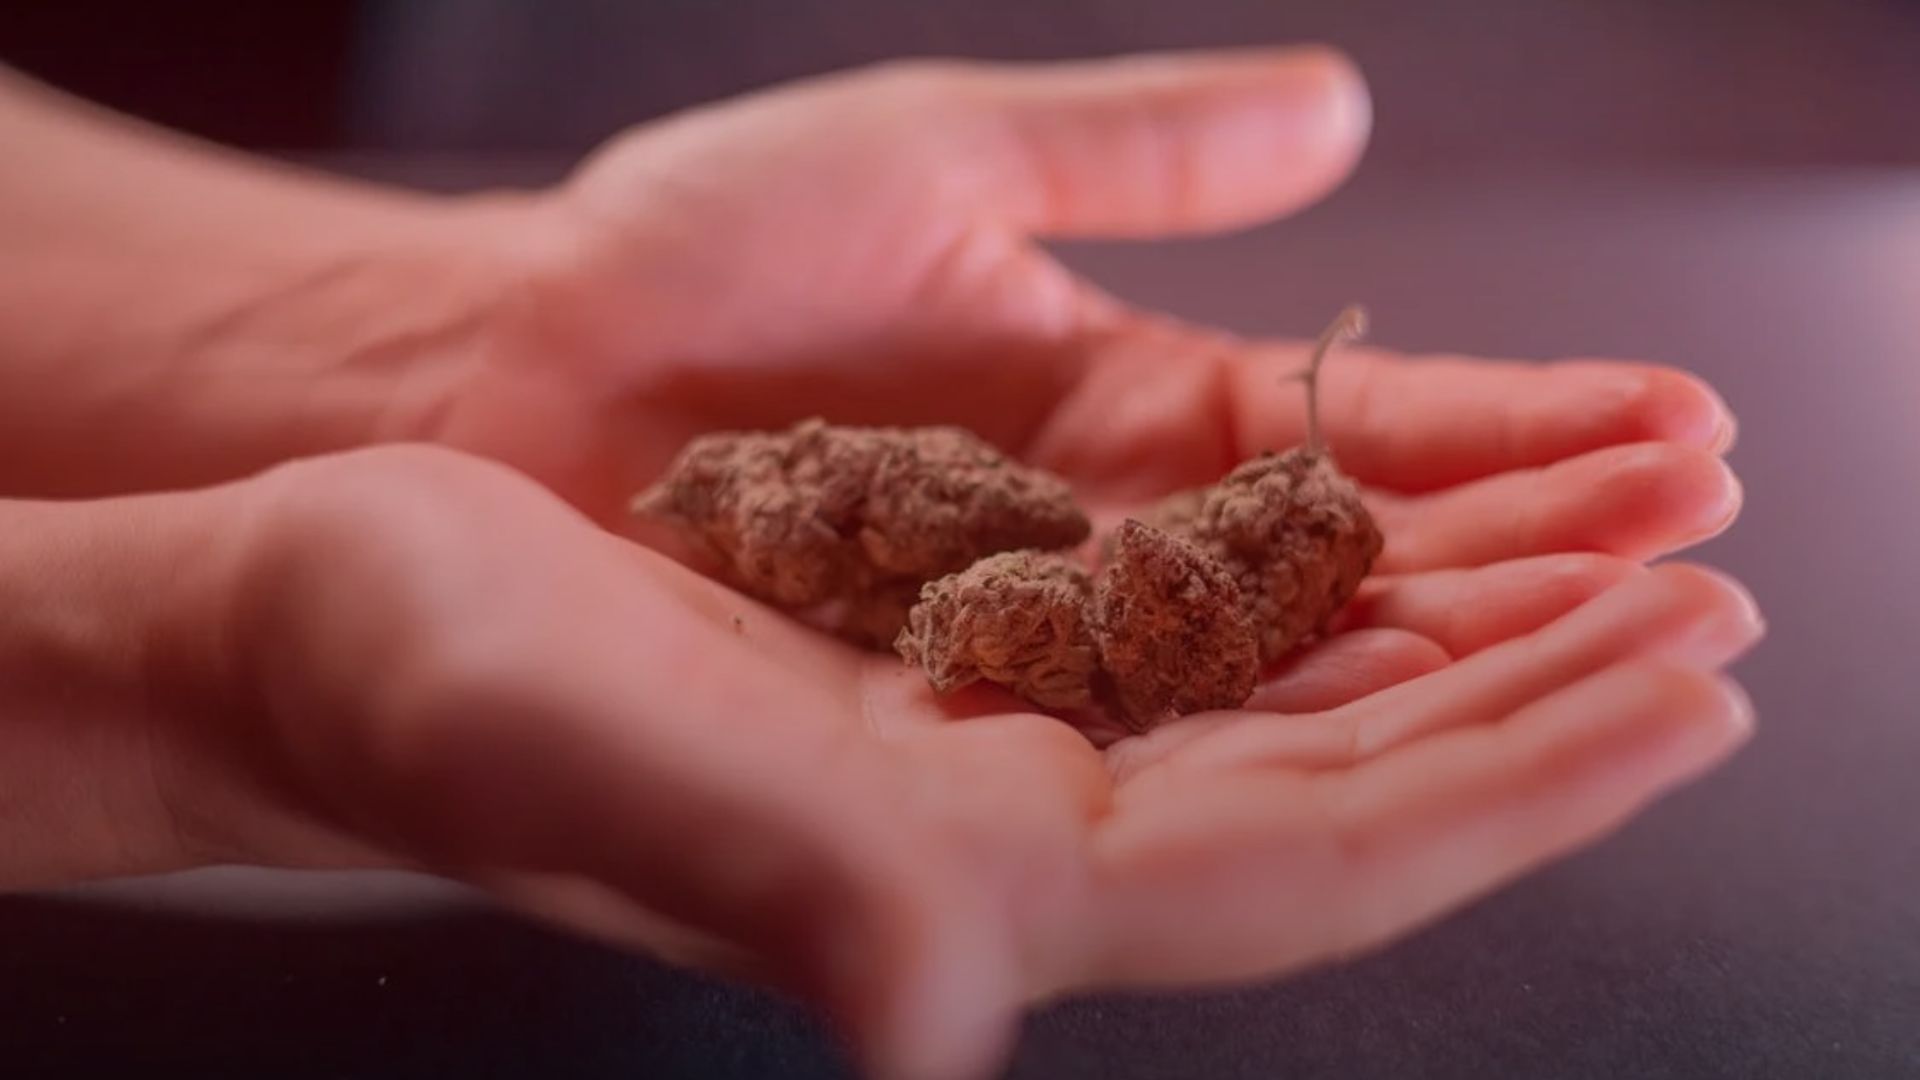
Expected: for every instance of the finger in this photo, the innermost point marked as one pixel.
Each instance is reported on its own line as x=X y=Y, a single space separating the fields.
x=1637 y=501
x=1172 y=142
x=1397 y=629
x=1677 y=614
x=1162 y=406
x=1336 y=672
x=612 y=776
x=1439 y=822
x=1414 y=424
x=1270 y=876
x=1346 y=668
x=1341 y=670
x=1464 y=611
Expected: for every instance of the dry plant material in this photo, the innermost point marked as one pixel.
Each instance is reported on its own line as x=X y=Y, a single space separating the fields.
x=845 y=524
x=1290 y=526
x=1018 y=619
x=1218 y=581
x=931 y=540
x=1172 y=628
x=1291 y=529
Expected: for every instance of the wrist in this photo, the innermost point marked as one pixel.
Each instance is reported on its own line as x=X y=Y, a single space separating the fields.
x=146 y=369
x=113 y=645
x=383 y=336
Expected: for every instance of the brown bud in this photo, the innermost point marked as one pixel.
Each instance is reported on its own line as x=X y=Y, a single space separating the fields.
x=1017 y=619
x=848 y=521
x=1172 y=630
x=1293 y=532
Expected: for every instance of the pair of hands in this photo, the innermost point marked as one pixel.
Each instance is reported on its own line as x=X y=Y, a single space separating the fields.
x=447 y=667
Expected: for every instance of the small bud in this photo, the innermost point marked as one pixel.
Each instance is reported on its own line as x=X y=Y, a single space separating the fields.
x=1017 y=619
x=848 y=523
x=1292 y=531
x=1172 y=629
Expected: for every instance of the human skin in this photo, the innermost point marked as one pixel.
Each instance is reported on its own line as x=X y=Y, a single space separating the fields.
x=405 y=656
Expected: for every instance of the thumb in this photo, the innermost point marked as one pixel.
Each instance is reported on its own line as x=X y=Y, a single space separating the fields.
x=1168 y=143
x=924 y=989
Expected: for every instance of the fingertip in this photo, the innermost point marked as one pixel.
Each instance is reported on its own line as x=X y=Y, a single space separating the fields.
x=1301 y=72
x=1737 y=713
x=1733 y=495
x=1160 y=143
x=1636 y=730
x=950 y=1039
x=1736 y=614
x=1706 y=716
x=1344 y=120
x=1702 y=490
x=950 y=1010
x=1715 y=586
x=1323 y=72
x=1641 y=402
x=1709 y=411
x=1350 y=109
x=1680 y=407
x=1661 y=496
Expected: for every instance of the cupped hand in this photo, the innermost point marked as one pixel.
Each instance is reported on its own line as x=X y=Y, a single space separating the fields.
x=451 y=670
x=602 y=737
x=864 y=247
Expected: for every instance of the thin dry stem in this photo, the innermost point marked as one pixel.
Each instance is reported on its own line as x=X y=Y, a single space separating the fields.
x=1349 y=325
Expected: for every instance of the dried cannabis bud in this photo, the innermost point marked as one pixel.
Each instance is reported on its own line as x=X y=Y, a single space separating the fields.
x=933 y=541
x=1290 y=527
x=1292 y=531
x=1172 y=629
x=851 y=521
x=1018 y=619
x=1175 y=514
x=1188 y=605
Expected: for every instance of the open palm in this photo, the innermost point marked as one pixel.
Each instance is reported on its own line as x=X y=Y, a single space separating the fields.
x=615 y=742
x=468 y=677
x=861 y=248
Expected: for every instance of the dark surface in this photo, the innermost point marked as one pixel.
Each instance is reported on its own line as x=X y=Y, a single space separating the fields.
x=1765 y=923
x=239 y=71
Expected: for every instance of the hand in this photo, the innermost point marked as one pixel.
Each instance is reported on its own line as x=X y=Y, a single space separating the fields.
x=863 y=246
x=445 y=668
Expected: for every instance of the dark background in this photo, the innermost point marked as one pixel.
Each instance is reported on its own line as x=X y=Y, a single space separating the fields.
x=1731 y=185
x=1508 y=81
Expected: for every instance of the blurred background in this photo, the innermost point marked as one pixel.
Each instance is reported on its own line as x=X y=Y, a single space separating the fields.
x=1497 y=81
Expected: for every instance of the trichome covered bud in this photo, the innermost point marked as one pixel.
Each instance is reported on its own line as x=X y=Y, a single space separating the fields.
x=1292 y=531
x=1018 y=619
x=1290 y=527
x=1172 y=629
x=851 y=521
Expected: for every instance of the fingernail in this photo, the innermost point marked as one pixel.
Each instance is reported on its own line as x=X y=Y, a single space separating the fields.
x=1350 y=105
x=1721 y=621
x=1726 y=429
x=1745 y=615
x=1325 y=79
x=1716 y=732
x=1733 y=495
x=1740 y=714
